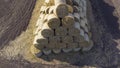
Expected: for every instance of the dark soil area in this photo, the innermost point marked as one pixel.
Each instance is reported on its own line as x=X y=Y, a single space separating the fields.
x=14 y=19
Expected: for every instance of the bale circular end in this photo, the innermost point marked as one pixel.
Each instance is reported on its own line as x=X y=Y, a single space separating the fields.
x=61 y=10
x=47 y=32
x=68 y=21
x=54 y=23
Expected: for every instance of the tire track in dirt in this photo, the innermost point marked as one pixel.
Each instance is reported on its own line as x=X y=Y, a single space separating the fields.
x=15 y=19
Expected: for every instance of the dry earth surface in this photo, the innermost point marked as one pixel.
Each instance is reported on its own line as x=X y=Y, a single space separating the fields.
x=17 y=23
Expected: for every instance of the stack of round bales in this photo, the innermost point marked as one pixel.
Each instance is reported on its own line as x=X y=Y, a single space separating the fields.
x=62 y=27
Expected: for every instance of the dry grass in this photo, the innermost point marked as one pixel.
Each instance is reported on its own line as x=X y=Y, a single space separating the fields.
x=22 y=43
x=31 y=29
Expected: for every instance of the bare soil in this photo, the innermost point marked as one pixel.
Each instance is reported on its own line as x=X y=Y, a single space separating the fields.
x=17 y=23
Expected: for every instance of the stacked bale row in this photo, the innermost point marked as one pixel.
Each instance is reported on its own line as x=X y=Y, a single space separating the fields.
x=62 y=27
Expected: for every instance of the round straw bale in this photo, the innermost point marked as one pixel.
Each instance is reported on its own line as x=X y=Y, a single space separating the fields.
x=86 y=37
x=88 y=47
x=61 y=10
x=77 y=17
x=61 y=31
x=76 y=9
x=53 y=21
x=78 y=38
x=67 y=39
x=70 y=2
x=54 y=39
x=77 y=25
x=82 y=32
x=41 y=40
x=70 y=8
x=73 y=31
x=83 y=24
x=51 y=10
x=46 y=31
x=68 y=20
x=56 y=50
x=40 y=20
x=72 y=45
x=84 y=44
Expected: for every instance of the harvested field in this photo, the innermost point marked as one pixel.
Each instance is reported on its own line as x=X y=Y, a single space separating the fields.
x=14 y=18
x=16 y=36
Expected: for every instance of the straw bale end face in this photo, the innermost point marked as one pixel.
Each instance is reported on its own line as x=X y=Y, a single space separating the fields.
x=61 y=10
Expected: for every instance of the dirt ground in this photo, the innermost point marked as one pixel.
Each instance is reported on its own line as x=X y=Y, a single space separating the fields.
x=17 y=23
